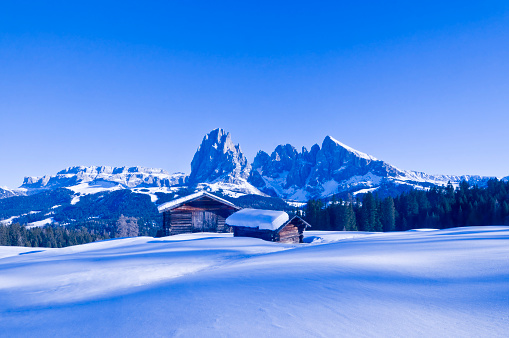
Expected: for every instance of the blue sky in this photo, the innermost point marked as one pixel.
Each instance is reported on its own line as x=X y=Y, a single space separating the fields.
x=421 y=85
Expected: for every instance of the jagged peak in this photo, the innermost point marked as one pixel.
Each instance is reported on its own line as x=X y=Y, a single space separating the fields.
x=220 y=140
x=217 y=158
x=330 y=139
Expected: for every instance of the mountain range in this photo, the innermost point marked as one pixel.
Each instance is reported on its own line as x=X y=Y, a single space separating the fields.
x=220 y=166
x=96 y=196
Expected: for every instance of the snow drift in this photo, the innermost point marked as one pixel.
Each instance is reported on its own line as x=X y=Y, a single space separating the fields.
x=421 y=283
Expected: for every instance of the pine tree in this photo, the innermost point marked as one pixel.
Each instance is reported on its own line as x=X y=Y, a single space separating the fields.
x=350 y=223
x=388 y=214
x=370 y=213
x=3 y=235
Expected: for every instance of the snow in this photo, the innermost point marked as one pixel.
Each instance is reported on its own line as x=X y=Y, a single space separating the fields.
x=8 y=221
x=75 y=200
x=330 y=188
x=444 y=283
x=352 y=150
x=151 y=191
x=40 y=223
x=424 y=229
x=296 y=204
x=8 y=251
x=239 y=187
x=364 y=191
x=258 y=218
x=319 y=236
x=95 y=187
x=178 y=201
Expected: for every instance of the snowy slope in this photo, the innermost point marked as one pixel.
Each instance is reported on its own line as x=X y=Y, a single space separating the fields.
x=444 y=283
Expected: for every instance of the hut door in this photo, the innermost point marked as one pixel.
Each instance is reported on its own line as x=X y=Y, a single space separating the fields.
x=204 y=221
x=197 y=221
x=209 y=221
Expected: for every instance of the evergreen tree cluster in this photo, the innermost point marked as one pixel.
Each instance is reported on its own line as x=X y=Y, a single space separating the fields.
x=258 y=202
x=373 y=214
x=438 y=207
x=448 y=207
x=48 y=236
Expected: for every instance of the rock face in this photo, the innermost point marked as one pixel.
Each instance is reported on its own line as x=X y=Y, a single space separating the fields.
x=218 y=160
x=220 y=166
x=335 y=168
x=127 y=177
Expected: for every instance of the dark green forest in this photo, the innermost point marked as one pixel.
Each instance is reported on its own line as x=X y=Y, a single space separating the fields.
x=48 y=236
x=439 y=208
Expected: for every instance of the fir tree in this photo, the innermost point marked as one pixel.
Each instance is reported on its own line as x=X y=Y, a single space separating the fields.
x=388 y=214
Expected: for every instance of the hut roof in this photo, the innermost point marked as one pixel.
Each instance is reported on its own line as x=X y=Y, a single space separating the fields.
x=300 y=221
x=179 y=201
x=258 y=218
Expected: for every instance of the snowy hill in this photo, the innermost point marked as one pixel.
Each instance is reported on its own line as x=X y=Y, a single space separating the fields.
x=444 y=283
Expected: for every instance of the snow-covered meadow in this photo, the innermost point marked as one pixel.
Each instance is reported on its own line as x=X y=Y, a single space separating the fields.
x=447 y=283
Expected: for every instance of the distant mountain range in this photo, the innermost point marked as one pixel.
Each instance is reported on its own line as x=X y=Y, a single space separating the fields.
x=96 y=196
x=220 y=166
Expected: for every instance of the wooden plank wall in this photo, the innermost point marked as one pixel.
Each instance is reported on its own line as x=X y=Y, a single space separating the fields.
x=266 y=235
x=290 y=233
x=203 y=214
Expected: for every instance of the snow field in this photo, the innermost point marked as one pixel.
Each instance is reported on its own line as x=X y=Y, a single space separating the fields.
x=443 y=283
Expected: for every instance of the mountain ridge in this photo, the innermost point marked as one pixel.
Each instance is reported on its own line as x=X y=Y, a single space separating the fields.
x=220 y=166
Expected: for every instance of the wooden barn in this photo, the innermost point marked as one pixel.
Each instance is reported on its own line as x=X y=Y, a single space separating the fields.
x=198 y=212
x=270 y=225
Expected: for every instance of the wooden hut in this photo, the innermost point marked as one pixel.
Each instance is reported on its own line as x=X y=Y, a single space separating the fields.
x=270 y=225
x=198 y=212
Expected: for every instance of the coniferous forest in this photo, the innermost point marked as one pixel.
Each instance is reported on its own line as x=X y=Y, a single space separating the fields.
x=48 y=236
x=54 y=236
x=439 y=208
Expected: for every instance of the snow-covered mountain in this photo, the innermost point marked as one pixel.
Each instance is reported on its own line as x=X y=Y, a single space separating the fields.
x=220 y=166
x=84 y=180
x=6 y=192
x=335 y=168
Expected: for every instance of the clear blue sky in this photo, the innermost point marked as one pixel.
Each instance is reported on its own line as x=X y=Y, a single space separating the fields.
x=423 y=85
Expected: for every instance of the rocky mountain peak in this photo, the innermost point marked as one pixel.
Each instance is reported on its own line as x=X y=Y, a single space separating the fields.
x=129 y=177
x=218 y=160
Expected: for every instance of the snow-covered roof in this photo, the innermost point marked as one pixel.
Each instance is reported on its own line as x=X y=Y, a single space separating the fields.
x=258 y=218
x=175 y=203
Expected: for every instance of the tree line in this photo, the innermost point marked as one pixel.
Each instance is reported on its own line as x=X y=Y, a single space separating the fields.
x=48 y=236
x=438 y=207
x=53 y=236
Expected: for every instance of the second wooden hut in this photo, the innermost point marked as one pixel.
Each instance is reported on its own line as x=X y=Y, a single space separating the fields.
x=270 y=225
